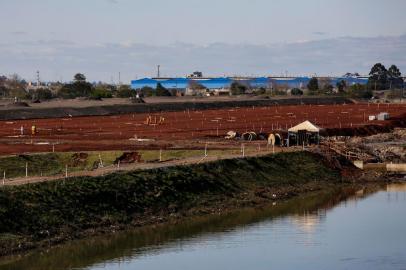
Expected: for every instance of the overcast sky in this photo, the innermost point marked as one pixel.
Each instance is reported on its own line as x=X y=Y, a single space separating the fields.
x=223 y=37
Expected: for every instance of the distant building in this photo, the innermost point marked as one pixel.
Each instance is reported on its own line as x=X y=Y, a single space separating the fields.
x=196 y=74
x=182 y=84
x=37 y=85
x=222 y=84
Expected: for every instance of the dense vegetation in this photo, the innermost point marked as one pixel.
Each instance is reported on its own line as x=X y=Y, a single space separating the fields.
x=237 y=88
x=45 y=209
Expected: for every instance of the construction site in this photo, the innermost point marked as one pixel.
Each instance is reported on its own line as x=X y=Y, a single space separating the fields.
x=225 y=132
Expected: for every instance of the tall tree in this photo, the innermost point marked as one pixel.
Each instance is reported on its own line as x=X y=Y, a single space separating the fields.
x=237 y=88
x=313 y=85
x=378 y=77
x=341 y=85
x=395 y=77
x=79 y=78
x=79 y=88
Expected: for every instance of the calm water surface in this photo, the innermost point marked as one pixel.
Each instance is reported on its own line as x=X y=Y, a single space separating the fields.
x=335 y=230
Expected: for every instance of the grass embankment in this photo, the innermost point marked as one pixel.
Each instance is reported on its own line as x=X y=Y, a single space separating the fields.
x=59 y=210
x=49 y=164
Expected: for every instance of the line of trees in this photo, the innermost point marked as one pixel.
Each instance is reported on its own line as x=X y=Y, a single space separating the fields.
x=12 y=86
x=381 y=78
x=315 y=87
x=15 y=86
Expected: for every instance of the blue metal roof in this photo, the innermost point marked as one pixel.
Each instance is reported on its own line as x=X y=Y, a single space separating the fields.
x=260 y=82
x=215 y=83
x=224 y=82
x=350 y=80
x=146 y=82
x=176 y=83
x=292 y=82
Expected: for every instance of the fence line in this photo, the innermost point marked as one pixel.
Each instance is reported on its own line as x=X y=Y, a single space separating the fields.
x=206 y=156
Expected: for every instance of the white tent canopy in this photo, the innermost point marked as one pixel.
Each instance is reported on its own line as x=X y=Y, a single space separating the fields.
x=306 y=125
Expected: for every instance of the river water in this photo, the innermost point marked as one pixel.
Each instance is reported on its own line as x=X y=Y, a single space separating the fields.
x=339 y=229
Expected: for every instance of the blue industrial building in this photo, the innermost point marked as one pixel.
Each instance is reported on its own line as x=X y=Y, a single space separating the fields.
x=182 y=83
x=224 y=82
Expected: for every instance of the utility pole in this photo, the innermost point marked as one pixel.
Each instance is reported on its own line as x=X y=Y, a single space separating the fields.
x=158 y=71
x=119 y=78
x=38 y=80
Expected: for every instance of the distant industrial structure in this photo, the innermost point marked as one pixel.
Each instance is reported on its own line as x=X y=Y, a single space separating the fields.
x=222 y=84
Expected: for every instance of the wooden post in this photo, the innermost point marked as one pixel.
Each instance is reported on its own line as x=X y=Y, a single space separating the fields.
x=4 y=178
x=118 y=164
x=101 y=161
x=205 y=150
x=243 y=150
x=160 y=155
x=53 y=148
x=26 y=169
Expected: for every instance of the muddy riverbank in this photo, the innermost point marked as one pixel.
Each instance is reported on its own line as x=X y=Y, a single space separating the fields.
x=49 y=213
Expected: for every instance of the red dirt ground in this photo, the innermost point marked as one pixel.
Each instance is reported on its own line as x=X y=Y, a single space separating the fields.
x=180 y=129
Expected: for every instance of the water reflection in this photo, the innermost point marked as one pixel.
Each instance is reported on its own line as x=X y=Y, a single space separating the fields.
x=399 y=187
x=303 y=222
x=308 y=222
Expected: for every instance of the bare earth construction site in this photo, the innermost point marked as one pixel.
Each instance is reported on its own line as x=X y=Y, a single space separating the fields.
x=188 y=129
